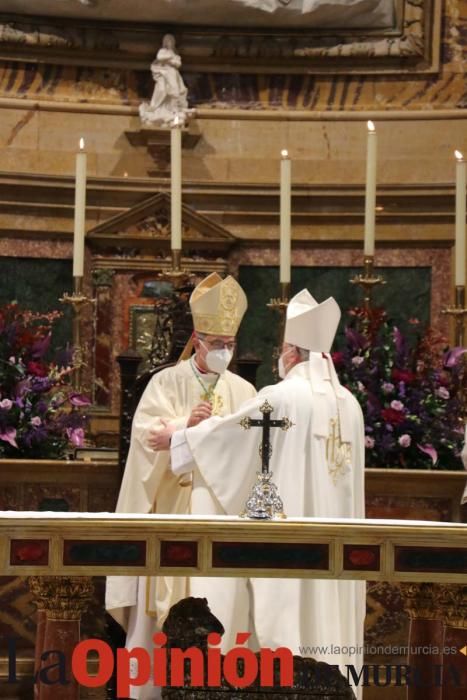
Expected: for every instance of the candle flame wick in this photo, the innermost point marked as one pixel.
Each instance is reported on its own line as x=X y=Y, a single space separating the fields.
x=458 y=155
x=371 y=126
x=284 y=153
x=81 y=144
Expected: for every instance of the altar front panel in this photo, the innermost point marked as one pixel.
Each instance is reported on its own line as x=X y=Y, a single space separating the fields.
x=380 y=550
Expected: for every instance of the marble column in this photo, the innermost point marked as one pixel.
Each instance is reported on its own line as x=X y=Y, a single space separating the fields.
x=61 y=600
x=426 y=640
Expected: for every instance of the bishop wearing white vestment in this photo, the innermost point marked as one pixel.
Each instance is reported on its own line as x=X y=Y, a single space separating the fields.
x=181 y=396
x=318 y=467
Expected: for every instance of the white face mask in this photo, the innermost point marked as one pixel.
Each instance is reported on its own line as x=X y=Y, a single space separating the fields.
x=280 y=364
x=218 y=360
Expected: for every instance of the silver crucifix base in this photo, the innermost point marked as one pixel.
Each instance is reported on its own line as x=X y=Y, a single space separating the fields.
x=264 y=503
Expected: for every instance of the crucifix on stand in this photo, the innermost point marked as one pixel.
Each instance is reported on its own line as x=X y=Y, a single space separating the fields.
x=264 y=502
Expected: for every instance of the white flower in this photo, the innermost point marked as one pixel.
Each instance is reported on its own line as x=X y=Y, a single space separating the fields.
x=397 y=405
x=360 y=386
x=369 y=442
x=405 y=440
x=6 y=404
x=357 y=360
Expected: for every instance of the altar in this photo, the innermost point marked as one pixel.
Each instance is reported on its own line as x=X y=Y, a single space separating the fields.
x=65 y=544
x=61 y=552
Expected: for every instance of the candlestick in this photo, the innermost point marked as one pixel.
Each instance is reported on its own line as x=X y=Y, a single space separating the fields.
x=80 y=211
x=458 y=312
x=77 y=301
x=285 y=218
x=460 y=260
x=370 y=191
x=279 y=304
x=176 y=185
x=368 y=280
x=177 y=276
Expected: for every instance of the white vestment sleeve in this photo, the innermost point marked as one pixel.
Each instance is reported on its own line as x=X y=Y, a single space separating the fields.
x=181 y=458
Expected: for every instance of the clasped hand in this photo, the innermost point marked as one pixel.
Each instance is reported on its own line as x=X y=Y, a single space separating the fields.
x=159 y=439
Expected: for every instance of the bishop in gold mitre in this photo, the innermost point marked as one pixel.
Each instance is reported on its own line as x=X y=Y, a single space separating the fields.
x=181 y=396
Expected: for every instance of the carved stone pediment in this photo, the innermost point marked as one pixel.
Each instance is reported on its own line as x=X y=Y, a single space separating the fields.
x=147 y=224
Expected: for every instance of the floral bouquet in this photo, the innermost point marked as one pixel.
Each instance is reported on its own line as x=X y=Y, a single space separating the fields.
x=410 y=389
x=40 y=413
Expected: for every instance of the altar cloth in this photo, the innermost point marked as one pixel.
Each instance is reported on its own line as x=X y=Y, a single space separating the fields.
x=147 y=517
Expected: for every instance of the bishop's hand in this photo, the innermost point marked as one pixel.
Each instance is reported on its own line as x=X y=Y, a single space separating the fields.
x=159 y=439
x=199 y=413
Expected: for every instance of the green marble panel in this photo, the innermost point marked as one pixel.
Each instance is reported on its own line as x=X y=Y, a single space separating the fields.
x=37 y=284
x=406 y=295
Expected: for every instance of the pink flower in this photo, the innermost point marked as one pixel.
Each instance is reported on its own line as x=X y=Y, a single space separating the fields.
x=6 y=404
x=357 y=360
x=442 y=392
x=36 y=421
x=79 y=400
x=397 y=405
x=76 y=436
x=405 y=440
x=387 y=387
x=369 y=442
x=9 y=436
x=430 y=451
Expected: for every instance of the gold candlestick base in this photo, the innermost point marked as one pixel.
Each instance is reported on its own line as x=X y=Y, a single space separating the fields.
x=176 y=276
x=458 y=312
x=368 y=280
x=280 y=303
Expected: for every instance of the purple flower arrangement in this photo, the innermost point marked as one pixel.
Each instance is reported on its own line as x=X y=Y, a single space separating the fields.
x=410 y=388
x=40 y=414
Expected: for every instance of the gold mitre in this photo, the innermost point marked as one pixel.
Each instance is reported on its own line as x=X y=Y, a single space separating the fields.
x=217 y=305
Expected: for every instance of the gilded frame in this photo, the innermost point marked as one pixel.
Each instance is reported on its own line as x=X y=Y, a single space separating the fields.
x=411 y=45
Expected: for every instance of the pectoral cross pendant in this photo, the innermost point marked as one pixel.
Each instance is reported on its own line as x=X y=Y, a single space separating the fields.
x=215 y=400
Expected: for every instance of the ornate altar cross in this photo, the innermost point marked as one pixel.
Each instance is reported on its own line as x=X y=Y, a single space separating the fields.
x=264 y=502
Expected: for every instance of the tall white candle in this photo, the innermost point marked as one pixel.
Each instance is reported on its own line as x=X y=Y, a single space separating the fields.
x=176 y=185
x=80 y=211
x=370 y=192
x=285 y=218
x=460 y=250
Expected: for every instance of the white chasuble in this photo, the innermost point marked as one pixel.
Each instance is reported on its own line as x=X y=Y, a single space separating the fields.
x=318 y=467
x=150 y=486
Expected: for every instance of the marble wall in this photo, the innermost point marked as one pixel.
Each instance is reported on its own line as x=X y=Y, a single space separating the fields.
x=231 y=168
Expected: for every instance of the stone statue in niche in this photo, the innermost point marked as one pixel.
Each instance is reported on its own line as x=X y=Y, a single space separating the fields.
x=169 y=99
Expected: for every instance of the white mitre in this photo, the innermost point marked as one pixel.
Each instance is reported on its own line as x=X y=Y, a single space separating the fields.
x=217 y=305
x=310 y=325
